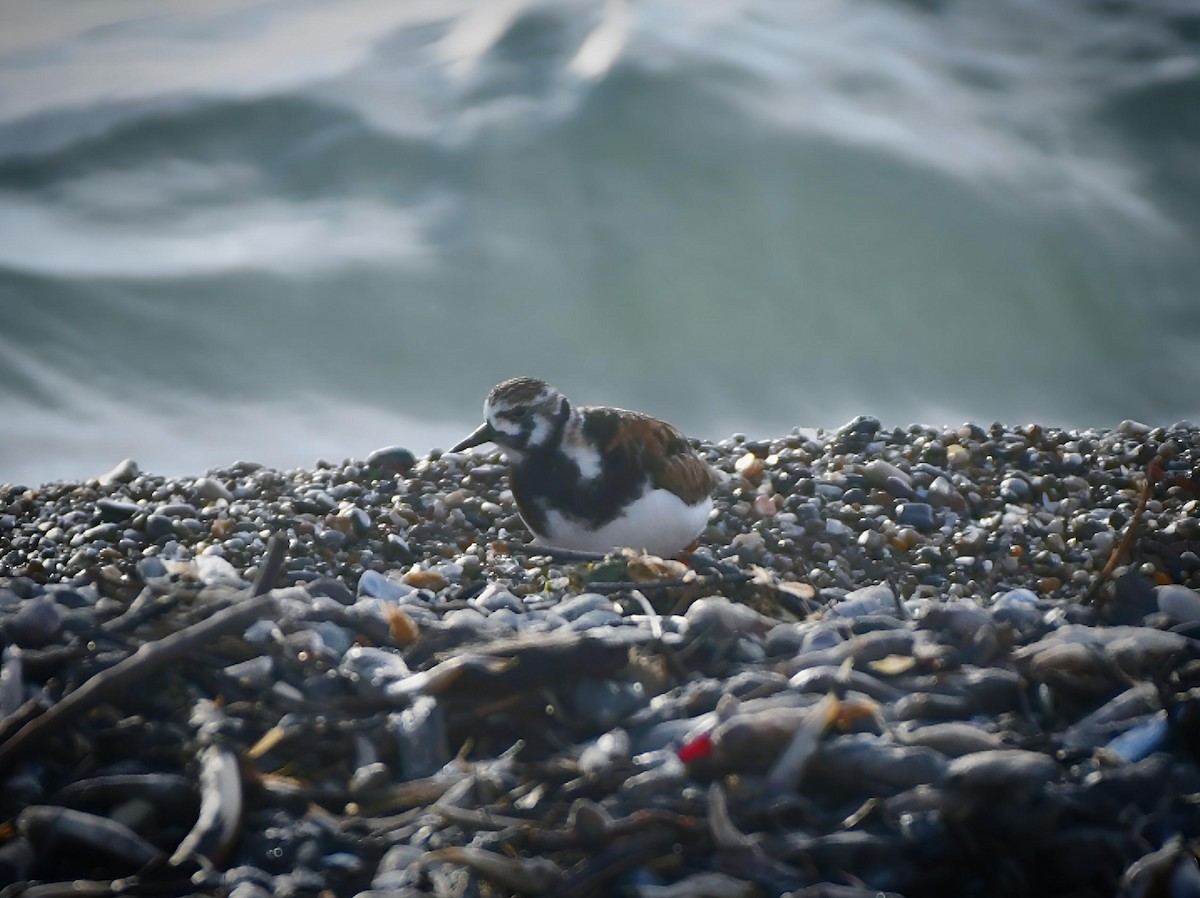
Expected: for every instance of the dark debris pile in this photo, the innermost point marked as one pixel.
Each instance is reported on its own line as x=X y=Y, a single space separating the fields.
x=918 y=662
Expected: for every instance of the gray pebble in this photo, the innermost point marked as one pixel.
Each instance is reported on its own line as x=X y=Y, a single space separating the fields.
x=158 y=527
x=106 y=532
x=391 y=460
x=176 y=510
x=597 y=617
x=376 y=668
x=125 y=472
x=375 y=585
x=252 y=673
x=918 y=515
x=1181 y=603
x=213 y=569
x=117 y=510
x=420 y=732
x=1015 y=489
x=580 y=605
x=38 y=622
x=878 y=472
x=878 y=599
x=495 y=597
x=209 y=490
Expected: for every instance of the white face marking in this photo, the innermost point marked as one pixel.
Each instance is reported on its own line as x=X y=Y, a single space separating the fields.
x=541 y=430
x=581 y=451
x=659 y=522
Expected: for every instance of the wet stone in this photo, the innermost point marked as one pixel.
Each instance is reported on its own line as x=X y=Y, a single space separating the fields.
x=209 y=489
x=37 y=622
x=125 y=472
x=915 y=514
x=1179 y=603
x=375 y=585
x=116 y=510
x=867 y=601
x=176 y=510
x=390 y=461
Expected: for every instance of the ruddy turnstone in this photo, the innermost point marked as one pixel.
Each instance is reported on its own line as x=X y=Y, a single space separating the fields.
x=596 y=478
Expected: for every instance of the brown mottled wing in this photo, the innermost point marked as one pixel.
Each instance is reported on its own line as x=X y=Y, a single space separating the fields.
x=665 y=453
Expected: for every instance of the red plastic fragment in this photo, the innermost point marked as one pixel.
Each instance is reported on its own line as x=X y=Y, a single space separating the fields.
x=700 y=747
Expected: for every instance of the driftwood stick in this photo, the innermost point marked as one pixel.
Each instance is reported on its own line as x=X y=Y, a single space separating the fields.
x=1126 y=544
x=150 y=657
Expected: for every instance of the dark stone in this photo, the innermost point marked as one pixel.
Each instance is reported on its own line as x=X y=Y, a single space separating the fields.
x=390 y=461
x=1134 y=597
x=334 y=589
x=158 y=526
x=106 y=532
x=38 y=622
x=176 y=510
x=116 y=510
x=915 y=514
x=855 y=435
x=898 y=488
x=316 y=502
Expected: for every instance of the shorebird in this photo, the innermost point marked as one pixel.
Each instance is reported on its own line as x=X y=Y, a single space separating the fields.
x=596 y=478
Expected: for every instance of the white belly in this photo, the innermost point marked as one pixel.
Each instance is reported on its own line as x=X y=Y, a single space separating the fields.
x=659 y=522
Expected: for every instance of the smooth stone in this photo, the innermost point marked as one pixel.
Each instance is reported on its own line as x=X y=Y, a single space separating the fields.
x=125 y=472
x=503 y=617
x=37 y=622
x=369 y=777
x=331 y=539
x=878 y=599
x=1131 y=428
x=597 y=617
x=941 y=491
x=872 y=541
x=107 y=532
x=210 y=490
x=176 y=510
x=1014 y=489
x=116 y=510
x=853 y=496
x=338 y=640
x=376 y=586
x=213 y=569
x=335 y=589
x=857 y=433
x=151 y=568
x=391 y=460
x=1001 y=770
x=1181 y=603
x=466 y=619
x=899 y=489
x=252 y=673
x=158 y=527
x=836 y=528
x=918 y=515
x=360 y=521
x=715 y=617
x=494 y=597
x=958 y=456
x=877 y=473
x=420 y=733
x=580 y=605
x=373 y=668
x=315 y=502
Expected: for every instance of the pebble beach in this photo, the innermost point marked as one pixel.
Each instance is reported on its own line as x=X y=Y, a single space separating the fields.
x=915 y=661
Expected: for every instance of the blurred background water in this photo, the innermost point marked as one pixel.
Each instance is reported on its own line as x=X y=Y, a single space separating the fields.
x=289 y=230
